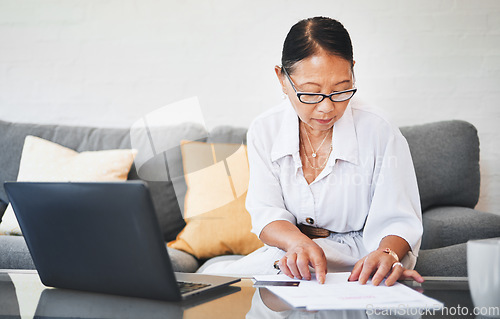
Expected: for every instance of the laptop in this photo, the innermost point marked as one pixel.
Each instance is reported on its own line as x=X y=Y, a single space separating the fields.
x=101 y=237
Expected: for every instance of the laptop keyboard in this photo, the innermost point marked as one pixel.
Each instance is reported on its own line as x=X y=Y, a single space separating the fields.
x=186 y=287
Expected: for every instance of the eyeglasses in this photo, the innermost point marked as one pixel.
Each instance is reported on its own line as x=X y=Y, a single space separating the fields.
x=314 y=98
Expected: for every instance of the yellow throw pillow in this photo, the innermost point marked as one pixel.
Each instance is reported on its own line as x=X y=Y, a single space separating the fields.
x=45 y=161
x=217 y=222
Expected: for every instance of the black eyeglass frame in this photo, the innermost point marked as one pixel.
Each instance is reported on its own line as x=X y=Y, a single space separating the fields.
x=323 y=96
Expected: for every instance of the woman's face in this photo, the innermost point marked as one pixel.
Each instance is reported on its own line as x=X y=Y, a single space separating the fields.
x=320 y=73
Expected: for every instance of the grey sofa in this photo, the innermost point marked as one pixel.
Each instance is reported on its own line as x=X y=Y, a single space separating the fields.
x=445 y=154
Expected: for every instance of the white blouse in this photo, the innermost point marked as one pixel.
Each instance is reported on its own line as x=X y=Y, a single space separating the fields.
x=368 y=184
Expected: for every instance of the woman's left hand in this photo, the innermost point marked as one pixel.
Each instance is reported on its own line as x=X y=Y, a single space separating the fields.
x=380 y=265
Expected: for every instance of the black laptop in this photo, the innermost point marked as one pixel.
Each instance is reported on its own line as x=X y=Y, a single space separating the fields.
x=101 y=237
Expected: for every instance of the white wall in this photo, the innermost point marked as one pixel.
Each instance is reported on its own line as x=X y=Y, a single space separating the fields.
x=107 y=62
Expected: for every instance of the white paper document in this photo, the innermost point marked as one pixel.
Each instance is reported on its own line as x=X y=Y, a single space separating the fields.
x=338 y=293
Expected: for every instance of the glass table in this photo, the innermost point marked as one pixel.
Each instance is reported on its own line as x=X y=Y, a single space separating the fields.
x=22 y=295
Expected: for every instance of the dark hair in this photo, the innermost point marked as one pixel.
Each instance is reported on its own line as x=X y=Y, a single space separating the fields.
x=308 y=36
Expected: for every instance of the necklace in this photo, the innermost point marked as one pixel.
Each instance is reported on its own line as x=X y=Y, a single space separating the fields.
x=314 y=153
x=322 y=165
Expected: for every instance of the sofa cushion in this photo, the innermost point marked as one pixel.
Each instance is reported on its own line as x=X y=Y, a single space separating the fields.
x=227 y=134
x=446 y=159
x=159 y=162
x=164 y=195
x=181 y=261
x=445 y=226
x=448 y=261
x=159 y=156
x=14 y=253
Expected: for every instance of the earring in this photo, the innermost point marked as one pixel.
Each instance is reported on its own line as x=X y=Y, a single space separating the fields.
x=283 y=96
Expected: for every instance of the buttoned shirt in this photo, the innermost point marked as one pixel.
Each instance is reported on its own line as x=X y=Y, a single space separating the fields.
x=368 y=183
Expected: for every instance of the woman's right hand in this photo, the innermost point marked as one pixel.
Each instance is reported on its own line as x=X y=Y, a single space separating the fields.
x=301 y=251
x=299 y=256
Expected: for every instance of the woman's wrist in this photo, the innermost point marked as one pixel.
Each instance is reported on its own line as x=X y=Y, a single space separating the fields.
x=298 y=241
x=395 y=246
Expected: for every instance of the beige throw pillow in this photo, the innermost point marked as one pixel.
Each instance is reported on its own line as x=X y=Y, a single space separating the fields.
x=217 y=222
x=45 y=161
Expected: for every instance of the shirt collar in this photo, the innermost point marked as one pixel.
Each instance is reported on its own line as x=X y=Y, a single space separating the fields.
x=344 y=139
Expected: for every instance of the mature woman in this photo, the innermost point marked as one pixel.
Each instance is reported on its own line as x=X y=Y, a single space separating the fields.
x=332 y=184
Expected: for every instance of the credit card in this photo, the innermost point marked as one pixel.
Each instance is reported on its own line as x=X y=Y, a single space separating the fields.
x=263 y=283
